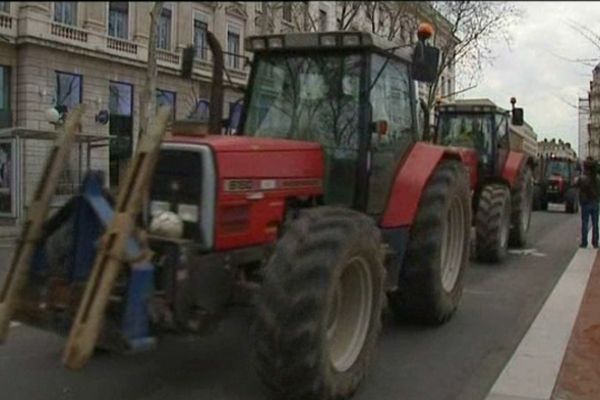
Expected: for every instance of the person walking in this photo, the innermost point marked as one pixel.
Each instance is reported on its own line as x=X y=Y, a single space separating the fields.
x=589 y=196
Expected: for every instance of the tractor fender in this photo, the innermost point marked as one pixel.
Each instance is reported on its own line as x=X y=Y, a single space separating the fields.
x=411 y=178
x=514 y=162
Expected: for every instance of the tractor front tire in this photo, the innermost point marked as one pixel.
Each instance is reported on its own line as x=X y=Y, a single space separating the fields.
x=522 y=200
x=319 y=308
x=492 y=223
x=571 y=201
x=430 y=286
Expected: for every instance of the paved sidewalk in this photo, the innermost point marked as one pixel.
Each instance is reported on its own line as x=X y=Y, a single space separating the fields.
x=549 y=347
x=579 y=377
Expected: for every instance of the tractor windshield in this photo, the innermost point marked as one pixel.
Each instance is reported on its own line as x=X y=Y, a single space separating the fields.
x=312 y=97
x=558 y=168
x=467 y=130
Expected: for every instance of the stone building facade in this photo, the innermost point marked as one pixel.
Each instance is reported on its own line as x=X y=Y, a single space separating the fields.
x=583 y=127
x=594 y=101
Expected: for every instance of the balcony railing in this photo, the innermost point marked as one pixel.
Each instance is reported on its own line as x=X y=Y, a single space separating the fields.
x=167 y=56
x=121 y=45
x=69 y=32
x=6 y=21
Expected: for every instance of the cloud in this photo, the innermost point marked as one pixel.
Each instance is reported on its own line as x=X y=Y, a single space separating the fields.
x=534 y=69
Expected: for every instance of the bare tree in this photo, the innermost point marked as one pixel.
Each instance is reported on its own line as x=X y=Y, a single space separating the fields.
x=148 y=95
x=346 y=13
x=470 y=29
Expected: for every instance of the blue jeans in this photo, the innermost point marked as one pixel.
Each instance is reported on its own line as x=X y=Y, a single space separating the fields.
x=589 y=210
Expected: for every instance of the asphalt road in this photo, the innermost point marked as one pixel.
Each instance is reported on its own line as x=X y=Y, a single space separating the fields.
x=460 y=360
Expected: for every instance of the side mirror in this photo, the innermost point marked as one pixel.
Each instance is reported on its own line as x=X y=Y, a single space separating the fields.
x=187 y=62
x=517 y=116
x=425 y=63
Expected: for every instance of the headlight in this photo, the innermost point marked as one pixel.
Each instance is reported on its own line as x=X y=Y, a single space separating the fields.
x=188 y=212
x=156 y=207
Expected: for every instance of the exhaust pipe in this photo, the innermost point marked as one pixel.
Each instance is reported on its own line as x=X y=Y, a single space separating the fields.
x=215 y=117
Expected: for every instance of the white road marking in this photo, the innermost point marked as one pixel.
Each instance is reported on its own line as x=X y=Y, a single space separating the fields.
x=527 y=252
x=531 y=372
x=15 y=324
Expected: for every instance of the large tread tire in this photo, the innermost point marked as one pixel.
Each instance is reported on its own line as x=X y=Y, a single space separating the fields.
x=421 y=295
x=492 y=223
x=522 y=199
x=292 y=349
x=571 y=201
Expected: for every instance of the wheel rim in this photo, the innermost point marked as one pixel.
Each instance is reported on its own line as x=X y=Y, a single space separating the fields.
x=452 y=244
x=350 y=314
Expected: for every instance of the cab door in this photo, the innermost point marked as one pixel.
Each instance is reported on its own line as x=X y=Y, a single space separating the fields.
x=501 y=143
x=391 y=103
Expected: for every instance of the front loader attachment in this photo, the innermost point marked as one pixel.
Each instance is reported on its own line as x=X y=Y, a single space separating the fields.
x=67 y=274
x=36 y=216
x=111 y=255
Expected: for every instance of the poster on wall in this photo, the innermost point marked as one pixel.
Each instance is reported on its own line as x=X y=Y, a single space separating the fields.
x=6 y=178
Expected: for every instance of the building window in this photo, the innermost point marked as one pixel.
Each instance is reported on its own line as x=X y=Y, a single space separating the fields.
x=118 y=19
x=5 y=6
x=449 y=90
x=120 y=128
x=287 y=12
x=442 y=86
x=200 y=41
x=68 y=90
x=323 y=20
x=166 y=97
x=164 y=30
x=5 y=114
x=233 y=48
x=65 y=12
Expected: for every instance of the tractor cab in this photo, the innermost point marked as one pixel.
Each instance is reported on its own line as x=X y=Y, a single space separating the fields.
x=479 y=125
x=352 y=93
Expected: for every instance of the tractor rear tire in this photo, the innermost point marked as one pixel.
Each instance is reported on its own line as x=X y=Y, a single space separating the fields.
x=522 y=200
x=319 y=308
x=571 y=201
x=431 y=283
x=492 y=223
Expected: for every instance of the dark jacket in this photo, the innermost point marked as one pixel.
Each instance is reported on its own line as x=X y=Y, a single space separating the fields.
x=588 y=189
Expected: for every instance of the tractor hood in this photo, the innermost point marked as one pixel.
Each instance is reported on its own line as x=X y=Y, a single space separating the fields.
x=249 y=157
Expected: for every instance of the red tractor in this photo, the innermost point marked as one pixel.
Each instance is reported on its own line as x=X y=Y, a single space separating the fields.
x=501 y=178
x=323 y=205
x=555 y=183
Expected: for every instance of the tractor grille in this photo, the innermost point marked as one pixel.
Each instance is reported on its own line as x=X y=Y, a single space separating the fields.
x=185 y=176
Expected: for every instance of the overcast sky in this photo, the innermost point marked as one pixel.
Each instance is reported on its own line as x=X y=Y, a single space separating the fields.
x=530 y=70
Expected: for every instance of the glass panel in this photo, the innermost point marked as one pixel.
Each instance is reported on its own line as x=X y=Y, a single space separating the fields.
x=468 y=130
x=166 y=97
x=118 y=20
x=6 y=166
x=200 y=29
x=233 y=47
x=121 y=98
x=65 y=12
x=4 y=90
x=390 y=102
x=164 y=30
x=313 y=98
x=68 y=91
x=5 y=6
x=323 y=20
